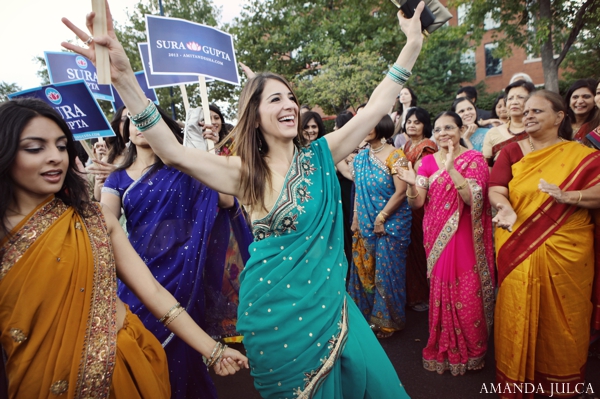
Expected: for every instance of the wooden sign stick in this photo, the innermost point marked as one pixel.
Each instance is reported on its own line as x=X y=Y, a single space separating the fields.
x=184 y=96
x=87 y=149
x=102 y=58
x=204 y=97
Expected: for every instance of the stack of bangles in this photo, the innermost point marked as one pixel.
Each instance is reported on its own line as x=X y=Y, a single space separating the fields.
x=399 y=74
x=216 y=355
x=381 y=217
x=146 y=119
x=172 y=314
x=412 y=196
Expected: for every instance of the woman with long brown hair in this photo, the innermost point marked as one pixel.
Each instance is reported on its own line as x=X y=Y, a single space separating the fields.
x=302 y=334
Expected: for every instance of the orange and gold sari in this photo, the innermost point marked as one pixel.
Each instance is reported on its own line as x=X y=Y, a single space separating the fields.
x=546 y=272
x=58 y=319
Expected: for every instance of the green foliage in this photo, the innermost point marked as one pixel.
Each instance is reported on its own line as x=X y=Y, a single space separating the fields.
x=337 y=51
x=582 y=60
x=6 y=89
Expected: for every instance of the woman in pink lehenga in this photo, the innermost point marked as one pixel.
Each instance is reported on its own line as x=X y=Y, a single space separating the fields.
x=452 y=185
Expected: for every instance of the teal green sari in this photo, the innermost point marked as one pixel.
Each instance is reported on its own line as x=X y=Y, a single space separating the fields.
x=303 y=337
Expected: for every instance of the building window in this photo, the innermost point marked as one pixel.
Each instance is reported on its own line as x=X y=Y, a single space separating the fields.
x=468 y=57
x=461 y=12
x=489 y=22
x=493 y=65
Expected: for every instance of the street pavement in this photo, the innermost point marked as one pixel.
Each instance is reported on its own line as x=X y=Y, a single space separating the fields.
x=404 y=350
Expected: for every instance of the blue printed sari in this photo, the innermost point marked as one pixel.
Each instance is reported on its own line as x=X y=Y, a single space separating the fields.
x=303 y=337
x=176 y=227
x=378 y=273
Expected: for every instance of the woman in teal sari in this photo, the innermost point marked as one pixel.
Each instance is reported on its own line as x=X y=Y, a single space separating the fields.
x=304 y=337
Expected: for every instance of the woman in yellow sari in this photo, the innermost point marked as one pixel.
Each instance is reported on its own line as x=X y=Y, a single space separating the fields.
x=62 y=327
x=546 y=190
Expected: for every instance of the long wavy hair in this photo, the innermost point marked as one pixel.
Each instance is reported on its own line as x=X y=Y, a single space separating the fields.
x=15 y=115
x=131 y=154
x=249 y=143
x=558 y=105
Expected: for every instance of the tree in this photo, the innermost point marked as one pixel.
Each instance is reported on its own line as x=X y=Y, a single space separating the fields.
x=547 y=27
x=336 y=51
x=6 y=89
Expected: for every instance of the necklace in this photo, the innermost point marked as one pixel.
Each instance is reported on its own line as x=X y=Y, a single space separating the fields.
x=378 y=149
x=531 y=143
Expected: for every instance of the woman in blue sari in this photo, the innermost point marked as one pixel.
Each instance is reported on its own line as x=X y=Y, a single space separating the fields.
x=170 y=219
x=304 y=337
x=382 y=221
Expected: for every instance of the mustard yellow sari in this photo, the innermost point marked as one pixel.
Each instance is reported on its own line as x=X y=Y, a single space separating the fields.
x=58 y=319
x=546 y=273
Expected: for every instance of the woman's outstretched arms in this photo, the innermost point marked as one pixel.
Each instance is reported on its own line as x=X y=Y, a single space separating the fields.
x=343 y=141
x=135 y=274
x=219 y=173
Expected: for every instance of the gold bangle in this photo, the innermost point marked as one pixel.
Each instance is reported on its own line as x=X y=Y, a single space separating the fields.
x=580 y=196
x=179 y=311
x=380 y=218
x=412 y=196
x=385 y=214
x=212 y=359
x=460 y=187
x=169 y=313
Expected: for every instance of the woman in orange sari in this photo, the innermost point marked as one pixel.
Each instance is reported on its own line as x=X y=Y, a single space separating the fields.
x=63 y=329
x=545 y=189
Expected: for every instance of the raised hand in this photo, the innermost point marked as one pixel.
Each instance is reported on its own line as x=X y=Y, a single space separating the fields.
x=407 y=175
x=506 y=217
x=119 y=63
x=449 y=161
x=412 y=27
x=249 y=73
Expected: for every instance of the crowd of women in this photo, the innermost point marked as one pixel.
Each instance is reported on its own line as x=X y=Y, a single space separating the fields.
x=329 y=271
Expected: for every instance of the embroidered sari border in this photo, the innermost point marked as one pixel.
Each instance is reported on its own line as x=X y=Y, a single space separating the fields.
x=536 y=229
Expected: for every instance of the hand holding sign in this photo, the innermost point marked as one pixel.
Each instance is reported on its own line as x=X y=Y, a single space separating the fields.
x=119 y=63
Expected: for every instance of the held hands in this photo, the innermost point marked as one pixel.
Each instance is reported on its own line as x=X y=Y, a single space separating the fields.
x=208 y=133
x=232 y=362
x=119 y=63
x=412 y=27
x=506 y=217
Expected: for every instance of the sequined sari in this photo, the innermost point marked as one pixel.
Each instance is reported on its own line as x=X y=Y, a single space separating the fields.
x=304 y=337
x=546 y=273
x=171 y=219
x=460 y=264
x=58 y=313
x=378 y=271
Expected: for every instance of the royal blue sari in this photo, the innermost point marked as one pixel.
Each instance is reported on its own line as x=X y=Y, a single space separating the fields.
x=176 y=227
x=378 y=273
x=303 y=336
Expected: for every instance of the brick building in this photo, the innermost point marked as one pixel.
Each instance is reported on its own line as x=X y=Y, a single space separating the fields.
x=496 y=73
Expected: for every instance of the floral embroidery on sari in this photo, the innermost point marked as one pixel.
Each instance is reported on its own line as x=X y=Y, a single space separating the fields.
x=283 y=217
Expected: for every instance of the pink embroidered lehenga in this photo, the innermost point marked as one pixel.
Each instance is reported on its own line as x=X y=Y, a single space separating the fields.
x=460 y=265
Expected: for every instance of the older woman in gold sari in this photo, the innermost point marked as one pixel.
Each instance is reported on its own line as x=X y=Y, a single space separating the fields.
x=546 y=191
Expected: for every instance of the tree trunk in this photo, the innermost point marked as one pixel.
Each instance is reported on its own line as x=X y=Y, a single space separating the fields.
x=547 y=51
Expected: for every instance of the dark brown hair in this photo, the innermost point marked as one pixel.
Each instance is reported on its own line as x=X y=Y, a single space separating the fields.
x=249 y=143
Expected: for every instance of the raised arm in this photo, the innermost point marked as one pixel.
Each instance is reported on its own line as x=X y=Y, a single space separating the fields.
x=219 y=173
x=345 y=140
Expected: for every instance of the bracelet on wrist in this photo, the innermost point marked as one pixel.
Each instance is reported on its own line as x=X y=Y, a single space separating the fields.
x=579 y=199
x=463 y=185
x=412 y=196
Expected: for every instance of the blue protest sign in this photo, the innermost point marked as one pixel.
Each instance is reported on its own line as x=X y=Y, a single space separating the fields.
x=181 y=47
x=67 y=67
x=77 y=106
x=156 y=81
x=150 y=93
